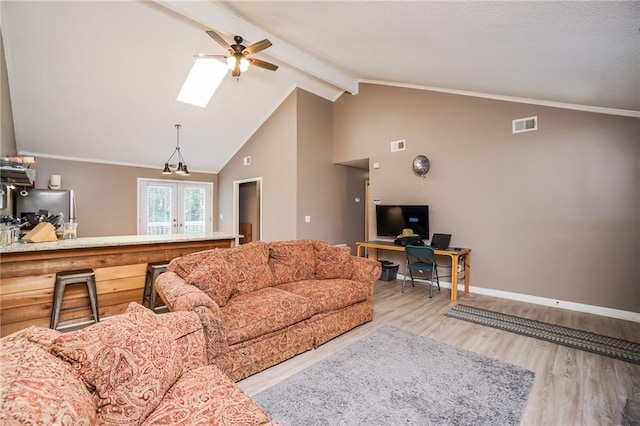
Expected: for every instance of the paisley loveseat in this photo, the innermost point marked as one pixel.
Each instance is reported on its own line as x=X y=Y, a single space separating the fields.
x=135 y=368
x=262 y=303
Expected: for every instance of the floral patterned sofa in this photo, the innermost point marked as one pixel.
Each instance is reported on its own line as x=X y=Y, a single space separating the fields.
x=135 y=368
x=262 y=303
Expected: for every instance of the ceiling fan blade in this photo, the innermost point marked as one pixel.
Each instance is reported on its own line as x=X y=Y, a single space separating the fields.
x=219 y=39
x=256 y=47
x=263 y=64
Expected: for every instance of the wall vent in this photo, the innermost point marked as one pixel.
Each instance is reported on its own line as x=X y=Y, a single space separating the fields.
x=398 y=145
x=528 y=124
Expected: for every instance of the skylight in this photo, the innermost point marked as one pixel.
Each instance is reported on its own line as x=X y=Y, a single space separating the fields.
x=202 y=82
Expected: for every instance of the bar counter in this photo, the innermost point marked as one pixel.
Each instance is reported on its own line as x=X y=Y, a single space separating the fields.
x=27 y=274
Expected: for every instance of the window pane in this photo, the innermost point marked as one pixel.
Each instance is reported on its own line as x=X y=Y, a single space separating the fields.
x=194 y=210
x=158 y=210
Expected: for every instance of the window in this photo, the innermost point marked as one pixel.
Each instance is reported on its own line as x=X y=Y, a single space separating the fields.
x=170 y=207
x=202 y=82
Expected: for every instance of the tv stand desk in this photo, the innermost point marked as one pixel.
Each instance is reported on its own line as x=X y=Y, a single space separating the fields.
x=453 y=253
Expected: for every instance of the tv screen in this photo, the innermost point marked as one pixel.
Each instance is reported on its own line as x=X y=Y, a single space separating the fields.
x=391 y=220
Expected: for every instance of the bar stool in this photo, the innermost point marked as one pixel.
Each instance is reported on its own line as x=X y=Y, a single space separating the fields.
x=154 y=269
x=64 y=278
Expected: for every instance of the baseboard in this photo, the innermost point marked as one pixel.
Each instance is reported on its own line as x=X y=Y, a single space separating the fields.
x=545 y=301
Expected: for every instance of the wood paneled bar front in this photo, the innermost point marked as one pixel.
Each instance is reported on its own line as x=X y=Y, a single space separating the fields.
x=28 y=271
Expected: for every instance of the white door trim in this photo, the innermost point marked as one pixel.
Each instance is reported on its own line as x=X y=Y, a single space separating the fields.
x=236 y=202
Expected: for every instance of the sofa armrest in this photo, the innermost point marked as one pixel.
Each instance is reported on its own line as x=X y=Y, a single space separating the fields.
x=188 y=332
x=365 y=270
x=180 y=296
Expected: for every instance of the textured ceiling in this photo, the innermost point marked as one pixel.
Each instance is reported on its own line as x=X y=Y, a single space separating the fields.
x=585 y=53
x=98 y=80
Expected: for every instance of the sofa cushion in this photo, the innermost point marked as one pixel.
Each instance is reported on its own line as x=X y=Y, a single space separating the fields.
x=292 y=261
x=330 y=295
x=128 y=362
x=263 y=311
x=215 y=278
x=249 y=266
x=208 y=396
x=38 y=388
x=184 y=265
x=331 y=261
x=188 y=332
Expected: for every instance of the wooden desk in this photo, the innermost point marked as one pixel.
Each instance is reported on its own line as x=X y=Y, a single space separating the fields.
x=454 y=254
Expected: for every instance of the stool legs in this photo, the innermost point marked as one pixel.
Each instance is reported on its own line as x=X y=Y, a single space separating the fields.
x=93 y=298
x=86 y=276
x=149 y=293
x=152 y=296
x=58 y=294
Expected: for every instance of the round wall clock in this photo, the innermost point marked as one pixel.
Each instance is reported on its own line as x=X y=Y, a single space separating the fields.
x=421 y=165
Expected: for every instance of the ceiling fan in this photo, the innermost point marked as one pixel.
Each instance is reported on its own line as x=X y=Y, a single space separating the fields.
x=238 y=59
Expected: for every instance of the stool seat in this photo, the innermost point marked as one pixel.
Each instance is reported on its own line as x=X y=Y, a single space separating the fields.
x=154 y=269
x=64 y=278
x=79 y=273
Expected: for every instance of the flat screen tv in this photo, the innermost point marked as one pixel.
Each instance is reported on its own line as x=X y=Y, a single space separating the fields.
x=391 y=220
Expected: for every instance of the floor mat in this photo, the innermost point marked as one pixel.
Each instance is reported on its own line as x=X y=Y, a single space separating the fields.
x=603 y=345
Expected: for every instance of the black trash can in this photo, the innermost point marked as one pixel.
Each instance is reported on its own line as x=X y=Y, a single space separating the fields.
x=389 y=270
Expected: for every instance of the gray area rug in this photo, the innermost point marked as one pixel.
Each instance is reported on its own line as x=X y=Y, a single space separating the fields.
x=392 y=377
x=603 y=345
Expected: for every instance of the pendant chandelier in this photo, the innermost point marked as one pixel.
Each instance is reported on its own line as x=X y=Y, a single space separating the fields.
x=181 y=167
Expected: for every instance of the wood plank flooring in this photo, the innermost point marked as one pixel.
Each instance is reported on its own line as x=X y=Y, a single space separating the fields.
x=572 y=387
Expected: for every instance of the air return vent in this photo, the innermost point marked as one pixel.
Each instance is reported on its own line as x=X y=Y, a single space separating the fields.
x=524 y=124
x=398 y=145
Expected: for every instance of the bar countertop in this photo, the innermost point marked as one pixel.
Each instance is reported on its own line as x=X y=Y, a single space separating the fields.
x=123 y=240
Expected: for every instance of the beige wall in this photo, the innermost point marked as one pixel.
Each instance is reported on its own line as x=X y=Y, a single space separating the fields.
x=326 y=191
x=7 y=136
x=273 y=158
x=106 y=195
x=551 y=213
x=292 y=152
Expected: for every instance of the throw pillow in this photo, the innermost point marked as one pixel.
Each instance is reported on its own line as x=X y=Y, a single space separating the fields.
x=38 y=388
x=128 y=363
x=292 y=261
x=184 y=265
x=332 y=262
x=249 y=267
x=215 y=278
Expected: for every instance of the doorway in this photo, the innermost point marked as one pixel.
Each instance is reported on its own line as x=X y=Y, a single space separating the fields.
x=247 y=209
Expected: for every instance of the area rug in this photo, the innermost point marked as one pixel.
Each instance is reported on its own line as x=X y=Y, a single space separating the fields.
x=393 y=377
x=579 y=339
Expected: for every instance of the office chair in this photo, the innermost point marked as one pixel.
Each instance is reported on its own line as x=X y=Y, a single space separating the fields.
x=421 y=259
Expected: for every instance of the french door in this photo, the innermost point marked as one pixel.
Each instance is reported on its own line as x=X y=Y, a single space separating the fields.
x=172 y=207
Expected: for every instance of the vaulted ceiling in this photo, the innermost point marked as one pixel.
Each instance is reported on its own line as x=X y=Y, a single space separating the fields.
x=98 y=80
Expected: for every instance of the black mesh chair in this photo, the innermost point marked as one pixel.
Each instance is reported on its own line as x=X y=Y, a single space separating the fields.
x=421 y=259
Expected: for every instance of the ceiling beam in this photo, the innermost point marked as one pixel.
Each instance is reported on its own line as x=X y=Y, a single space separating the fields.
x=219 y=19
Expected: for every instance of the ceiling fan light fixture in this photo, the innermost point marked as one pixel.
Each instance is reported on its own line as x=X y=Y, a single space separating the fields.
x=238 y=58
x=244 y=64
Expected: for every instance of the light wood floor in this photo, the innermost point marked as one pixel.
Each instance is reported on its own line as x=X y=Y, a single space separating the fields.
x=572 y=387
